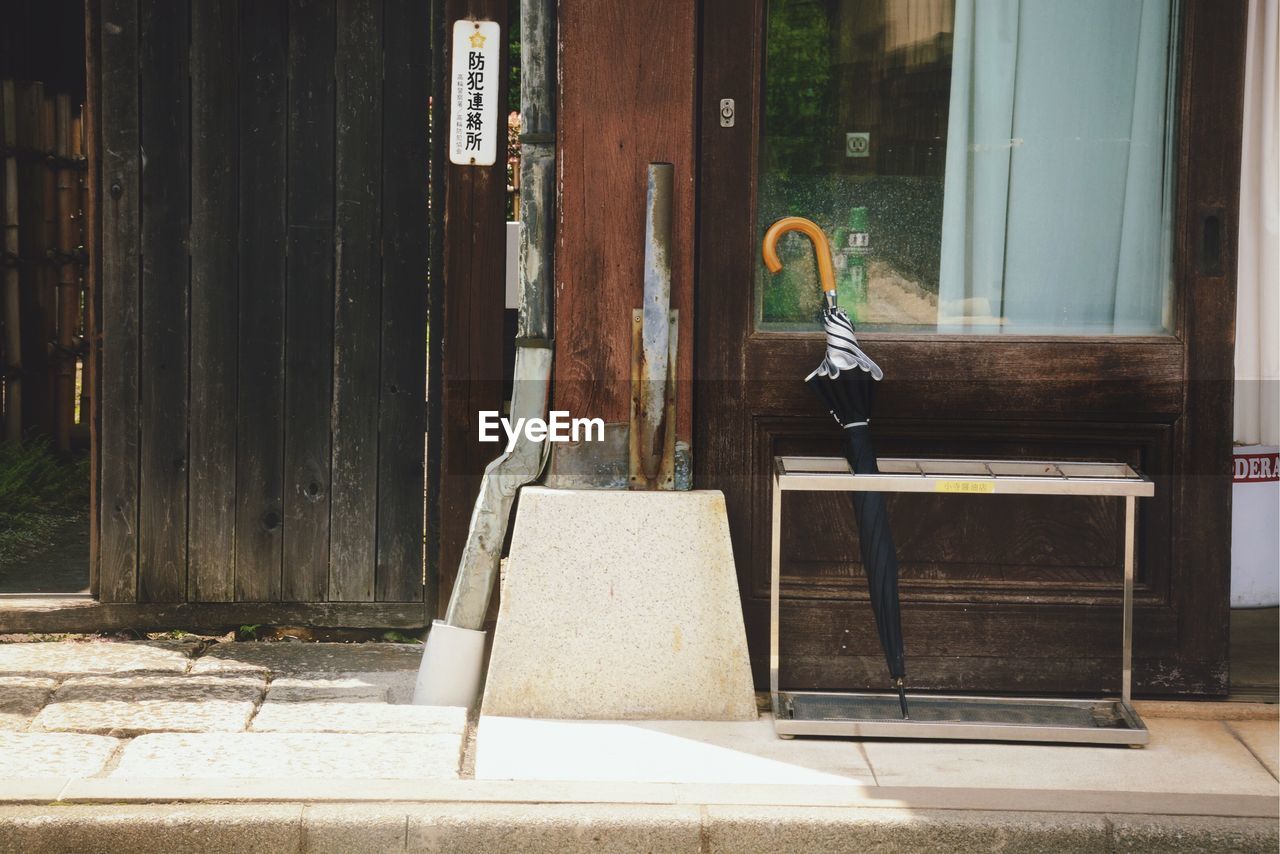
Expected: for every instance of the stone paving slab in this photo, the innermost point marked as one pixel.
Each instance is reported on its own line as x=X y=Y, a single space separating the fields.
x=326 y=689
x=1263 y=740
x=80 y=658
x=327 y=756
x=298 y=659
x=21 y=698
x=276 y=716
x=1183 y=757
x=45 y=755
x=398 y=684
x=392 y=667
x=132 y=705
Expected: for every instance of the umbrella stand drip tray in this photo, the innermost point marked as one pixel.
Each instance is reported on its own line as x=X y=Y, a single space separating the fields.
x=948 y=717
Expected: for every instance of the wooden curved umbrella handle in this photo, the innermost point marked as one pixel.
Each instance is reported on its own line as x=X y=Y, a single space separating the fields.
x=826 y=272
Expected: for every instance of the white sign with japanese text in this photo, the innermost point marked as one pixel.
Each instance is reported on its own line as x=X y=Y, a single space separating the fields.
x=473 y=128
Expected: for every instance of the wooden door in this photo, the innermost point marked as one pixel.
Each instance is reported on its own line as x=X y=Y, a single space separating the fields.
x=999 y=593
x=265 y=240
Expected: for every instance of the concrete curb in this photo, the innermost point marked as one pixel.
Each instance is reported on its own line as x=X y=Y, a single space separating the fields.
x=569 y=828
x=250 y=791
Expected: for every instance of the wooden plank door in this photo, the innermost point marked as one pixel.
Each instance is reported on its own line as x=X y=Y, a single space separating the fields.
x=264 y=325
x=999 y=594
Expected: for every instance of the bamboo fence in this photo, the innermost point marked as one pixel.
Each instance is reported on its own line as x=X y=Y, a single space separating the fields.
x=43 y=328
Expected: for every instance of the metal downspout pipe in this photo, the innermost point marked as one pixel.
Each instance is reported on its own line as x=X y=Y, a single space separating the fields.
x=452 y=660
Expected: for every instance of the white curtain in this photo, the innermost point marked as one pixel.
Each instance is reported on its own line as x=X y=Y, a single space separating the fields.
x=1258 y=289
x=1058 y=192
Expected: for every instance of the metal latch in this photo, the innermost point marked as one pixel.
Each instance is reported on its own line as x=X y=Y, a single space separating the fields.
x=726 y=112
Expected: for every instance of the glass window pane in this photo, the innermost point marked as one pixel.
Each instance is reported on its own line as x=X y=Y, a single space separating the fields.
x=983 y=166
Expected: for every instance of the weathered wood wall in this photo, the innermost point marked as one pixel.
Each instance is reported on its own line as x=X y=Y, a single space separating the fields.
x=627 y=85
x=265 y=236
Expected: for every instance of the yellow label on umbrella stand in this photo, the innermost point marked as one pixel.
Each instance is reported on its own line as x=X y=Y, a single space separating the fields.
x=976 y=487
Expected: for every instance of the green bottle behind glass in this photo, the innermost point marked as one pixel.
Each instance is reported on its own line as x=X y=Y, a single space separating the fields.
x=852 y=246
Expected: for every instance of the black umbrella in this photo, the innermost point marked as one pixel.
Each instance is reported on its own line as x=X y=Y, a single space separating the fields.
x=845 y=382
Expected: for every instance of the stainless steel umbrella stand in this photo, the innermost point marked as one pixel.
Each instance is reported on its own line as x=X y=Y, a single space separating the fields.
x=1107 y=720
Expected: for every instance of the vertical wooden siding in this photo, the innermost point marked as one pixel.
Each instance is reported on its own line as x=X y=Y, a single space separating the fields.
x=215 y=222
x=264 y=276
x=260 y=433
x=309 y=315
x=165 y=203
x=121 y=174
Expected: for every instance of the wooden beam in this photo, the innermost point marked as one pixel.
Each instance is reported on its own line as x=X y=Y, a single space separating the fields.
x=439 y=118
x=1209 y=136
x=82 y=614
x=118 y=495
x=474 y=271
x=93 y=275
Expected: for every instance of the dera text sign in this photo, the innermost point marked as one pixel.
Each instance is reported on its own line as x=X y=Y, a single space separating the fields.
x=473 y=128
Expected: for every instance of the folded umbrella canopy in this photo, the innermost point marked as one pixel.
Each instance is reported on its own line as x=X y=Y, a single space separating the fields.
x=845 y=382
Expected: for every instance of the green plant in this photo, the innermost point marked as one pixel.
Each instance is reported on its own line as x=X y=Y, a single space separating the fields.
x=34 y=479
x=248 y=632
x=40 y=493
x=396 y=637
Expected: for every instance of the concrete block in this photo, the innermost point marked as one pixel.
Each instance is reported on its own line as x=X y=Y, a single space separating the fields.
x=620 y=605
x=142 y=829
x=21 y=698
x=1193 y=834
x=711 y=752
x=837 y=830
x=347 y=828
x=326 y=756
x=44 y=754
x=130 y=705
x=277 y=716
x=553 y=828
